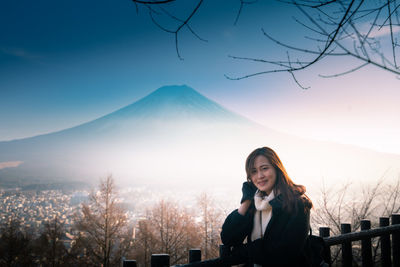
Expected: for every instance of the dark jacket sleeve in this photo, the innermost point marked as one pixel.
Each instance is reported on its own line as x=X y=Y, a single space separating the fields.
x=235 y=228
x=283 y=246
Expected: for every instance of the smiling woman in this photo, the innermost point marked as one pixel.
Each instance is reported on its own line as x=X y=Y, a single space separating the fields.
x=274 y=215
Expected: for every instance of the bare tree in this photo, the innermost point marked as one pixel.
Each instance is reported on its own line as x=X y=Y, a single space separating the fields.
x=167 y=228
x=103 y=226
x=49 y=245
x=145 y=241
x=15 y=244
x=171 y=223
x=337 y=205
x=211 y=222
x=391 y=198
x=366 y=31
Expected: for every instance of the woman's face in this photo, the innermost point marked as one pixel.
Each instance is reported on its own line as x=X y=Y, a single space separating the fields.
x=263 y=174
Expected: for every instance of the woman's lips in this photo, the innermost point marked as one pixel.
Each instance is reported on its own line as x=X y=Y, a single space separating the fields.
x=262 y=183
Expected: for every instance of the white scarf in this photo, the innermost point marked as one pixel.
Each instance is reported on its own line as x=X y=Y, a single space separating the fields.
x=262 y=216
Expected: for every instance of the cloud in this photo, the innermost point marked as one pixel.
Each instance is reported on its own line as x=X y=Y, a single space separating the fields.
x=378 y=31
x=10 y=164
x=18 y=52
x=383 y=32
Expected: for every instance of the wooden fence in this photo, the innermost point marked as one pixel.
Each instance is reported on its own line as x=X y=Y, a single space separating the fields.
x=389 y=238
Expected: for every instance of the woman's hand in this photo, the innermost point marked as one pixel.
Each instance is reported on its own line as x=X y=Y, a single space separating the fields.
x=248 y=191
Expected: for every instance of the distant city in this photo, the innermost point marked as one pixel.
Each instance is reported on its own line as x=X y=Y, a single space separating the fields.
x=33 y=208
x=42 y=226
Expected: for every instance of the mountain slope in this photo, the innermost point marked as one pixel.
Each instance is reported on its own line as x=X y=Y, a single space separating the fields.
x=169 y=115
x=177 y=137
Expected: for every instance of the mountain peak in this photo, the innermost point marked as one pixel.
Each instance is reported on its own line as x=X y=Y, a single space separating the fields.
x=170 y=106
x=175 y=90
x=176 y=102
x=176 y=93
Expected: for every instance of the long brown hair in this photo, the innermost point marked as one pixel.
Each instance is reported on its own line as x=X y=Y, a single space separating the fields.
x=284 y=185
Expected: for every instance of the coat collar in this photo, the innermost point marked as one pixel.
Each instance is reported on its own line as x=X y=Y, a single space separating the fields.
x=277 y=203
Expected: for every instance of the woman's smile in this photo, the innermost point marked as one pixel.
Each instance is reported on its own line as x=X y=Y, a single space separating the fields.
x=261 y=183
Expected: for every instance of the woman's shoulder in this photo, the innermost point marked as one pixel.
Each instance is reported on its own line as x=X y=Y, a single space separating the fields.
x=300 y=199
x=300 y=202
x=305 y=201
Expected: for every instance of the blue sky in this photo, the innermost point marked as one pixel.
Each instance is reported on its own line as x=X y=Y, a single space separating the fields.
x=63 y=63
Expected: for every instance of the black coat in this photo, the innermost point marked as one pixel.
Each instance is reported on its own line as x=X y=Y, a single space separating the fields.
x=284 y=240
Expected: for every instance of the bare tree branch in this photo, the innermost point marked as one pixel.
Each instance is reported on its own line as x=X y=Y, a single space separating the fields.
x=182 y=22
x=242 y=3
x=160 y=2
x=344 y=73
x=352 y=29
x=391 y=35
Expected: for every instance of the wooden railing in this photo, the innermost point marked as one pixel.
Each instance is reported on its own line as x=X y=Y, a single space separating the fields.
x=390 y=251
x=389 y=246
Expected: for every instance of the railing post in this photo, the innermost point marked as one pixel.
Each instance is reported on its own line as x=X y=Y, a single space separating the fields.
x=396 y=241
x=366 y=248
x=160 y=260
x=385 y=244
x=347 y=255
x=194 y=255
x=325 y=232
x=129 y=263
